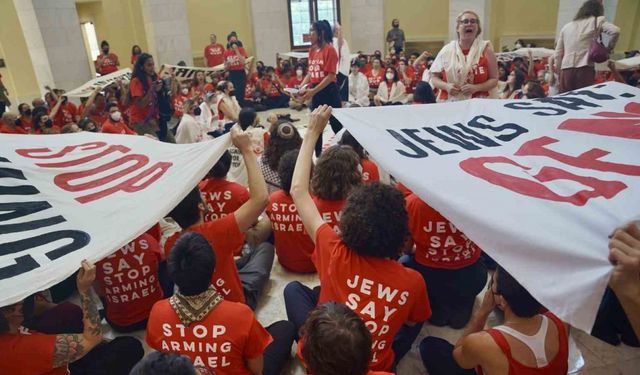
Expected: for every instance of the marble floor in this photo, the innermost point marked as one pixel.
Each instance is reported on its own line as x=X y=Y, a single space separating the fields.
x=589 y=356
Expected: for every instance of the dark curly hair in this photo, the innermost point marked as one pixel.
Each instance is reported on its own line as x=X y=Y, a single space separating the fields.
x=590 y=8
x=336 y=341
x=336 y=173
x=374 y=221
x=283 y=137
x=158 y=363
x=285 y=169
x=221 y=168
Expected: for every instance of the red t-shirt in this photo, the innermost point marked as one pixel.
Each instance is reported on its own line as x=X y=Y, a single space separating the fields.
x=178 y=101
x=221 y=197
x=370 y=171
x=25 y=123
x=4 y=129
x=31 y=353
x=322 y=62
x=439 y=244
x=130 y=279
x=403 y=189
x=330 y=211
x=138 y=114
x=293 y=245
x=233 y=60
x=66 y=114
x=294 y=81
x=222 y=341
x=375 y=79
x=381 y=291
x=214 y=54
x=480 y=75
x=116 y=128
x=227 y=240
x=109 y=63
x=269 y=88
x=96 y=113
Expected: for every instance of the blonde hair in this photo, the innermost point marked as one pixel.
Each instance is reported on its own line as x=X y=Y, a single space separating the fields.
x=468 y=11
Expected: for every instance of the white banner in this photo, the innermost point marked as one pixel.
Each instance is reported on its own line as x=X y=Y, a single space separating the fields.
x=537 y=53
x=189 y=72
x=538 y=184
x=64 y=198
x=102 y=82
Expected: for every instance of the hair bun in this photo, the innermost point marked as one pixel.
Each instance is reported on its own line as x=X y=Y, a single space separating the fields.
x=286 y=130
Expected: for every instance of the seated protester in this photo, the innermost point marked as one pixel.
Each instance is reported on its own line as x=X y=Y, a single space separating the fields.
x=533 y=90
x=375 y=75
x=129 y=280
x=336 y=342
x=283 y=137
x=272 y=86
x=8 y=124
x=94 y=106
x=88 y=125
x=357 y=266
x=198 y=322
x=370 y=172
x=526 y=343
x=513 y=88
x=358 y=87
x=391 y=91
x=227 y=234
x=423 y=94
x=248 y=121
x=115 y=124
x=336 y=174
x=177 y=102
x=293 y=245
x=407 y=76
x=209 y=112
x=228 y=107
x=66 y=112
x=219 y=196
x=70 y=128
x=33 y=353
x=190 y=130
x=296 y=80
x=43 y=316
x=618 y=318
x=159 y=363
x=25 y=119
x=42 y=123
x=449 y=262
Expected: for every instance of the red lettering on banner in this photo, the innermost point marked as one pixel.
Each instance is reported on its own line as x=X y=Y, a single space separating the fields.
x=586 y=160
x=615 y=124
x=598 y=188
x=133 y=163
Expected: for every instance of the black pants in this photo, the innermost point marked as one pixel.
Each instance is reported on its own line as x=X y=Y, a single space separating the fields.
x=452 y=293
x=329 y=96
x=343 y=86
x=281 y=101
x=3 y=108
x=239 y=79
x=612 y=324
x=116 y=357
x=279 y=351
x=437 y=357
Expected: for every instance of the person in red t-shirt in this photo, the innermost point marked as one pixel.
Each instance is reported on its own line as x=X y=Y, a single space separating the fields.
x=293 y=245
x=106 y=62
x=28 y=352
x=336 y=174
x=357 y=266
x=334 y=340
x=221 y=197
x=8 y=124
x=242 y=282
x=273 y=88
x=234 y=59
x=136 y=51
x=214 y=52
x=370 y=172
x=449 y=262
x=25 y=119
x=129 y=278
x=527 y=342
x=200 y=323
x=375 y=75
x=144 y=88
x=114 y=124
x=321 y=74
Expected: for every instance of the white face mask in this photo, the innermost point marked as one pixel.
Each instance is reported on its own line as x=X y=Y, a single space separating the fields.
x=116 y=116
x=389 y=76
x=185 y=91
x=547 y=77
x=299 y=72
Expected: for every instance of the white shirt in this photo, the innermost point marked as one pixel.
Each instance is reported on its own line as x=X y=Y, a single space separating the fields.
x=574 y=41
x=191 y=130
x=344 y=61
x=238 y=171
x=232 y=103
x=359 y=89
x=208 y=116
x=397 y=93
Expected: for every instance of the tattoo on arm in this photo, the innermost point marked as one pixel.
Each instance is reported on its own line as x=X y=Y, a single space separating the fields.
x=90 y=313
x=68 y=348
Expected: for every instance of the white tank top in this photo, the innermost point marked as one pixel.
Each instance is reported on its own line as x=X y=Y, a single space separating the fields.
x=535 y=343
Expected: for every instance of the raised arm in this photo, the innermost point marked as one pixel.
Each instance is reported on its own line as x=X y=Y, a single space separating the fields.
x=71 y=347
x=530 y=69
x=247 y=214
x=89 y=102
x=307 y=209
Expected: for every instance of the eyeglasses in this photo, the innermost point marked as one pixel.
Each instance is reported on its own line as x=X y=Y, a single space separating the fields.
x=468 y=21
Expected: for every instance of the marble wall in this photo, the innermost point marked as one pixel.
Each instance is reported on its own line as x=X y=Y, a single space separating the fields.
x=367 y=26
x=481 y=7
x=270 y=29
x=167 y=30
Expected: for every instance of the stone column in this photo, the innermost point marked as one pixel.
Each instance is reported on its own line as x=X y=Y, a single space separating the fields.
x=167 y=31
x=270 y=29
x=367 y=26
x=481 y=7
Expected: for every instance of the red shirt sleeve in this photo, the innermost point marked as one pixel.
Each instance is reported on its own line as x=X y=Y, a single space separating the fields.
x=421 y=309
x=258 y=339
x=226 y=227
x=30 y=354
x=330 y=59
x=136 y=88
x=326 y=238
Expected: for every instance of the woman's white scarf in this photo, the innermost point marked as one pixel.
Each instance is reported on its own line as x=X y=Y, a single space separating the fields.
x=458 y=67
